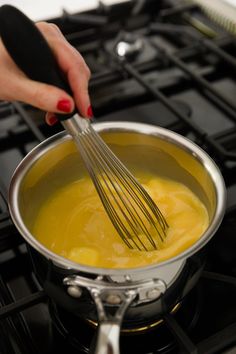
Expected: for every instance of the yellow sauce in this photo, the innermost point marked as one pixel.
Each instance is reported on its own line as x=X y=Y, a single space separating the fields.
x=73 y=224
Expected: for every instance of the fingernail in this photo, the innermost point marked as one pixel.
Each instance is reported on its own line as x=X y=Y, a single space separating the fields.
x=64 y=106
x=90 y=112
x=52 y=120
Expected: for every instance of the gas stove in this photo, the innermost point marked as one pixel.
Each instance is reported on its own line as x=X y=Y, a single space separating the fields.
x=158 y=62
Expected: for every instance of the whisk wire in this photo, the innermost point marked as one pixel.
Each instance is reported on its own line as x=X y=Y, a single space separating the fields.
x=116 y=164
x=96 y=163
x=129 y=207
x=127 y=203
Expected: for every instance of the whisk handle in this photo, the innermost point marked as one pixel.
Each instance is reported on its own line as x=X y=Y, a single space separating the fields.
x=30 y=51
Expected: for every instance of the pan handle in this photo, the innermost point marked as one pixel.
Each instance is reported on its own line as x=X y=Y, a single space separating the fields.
x=108 y=338
x=112 y=300
x=109 y=325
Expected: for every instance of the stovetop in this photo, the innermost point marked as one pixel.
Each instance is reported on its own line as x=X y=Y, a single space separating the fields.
x=180 y=73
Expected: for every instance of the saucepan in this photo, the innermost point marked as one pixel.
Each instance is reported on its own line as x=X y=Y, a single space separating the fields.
x=131 y=297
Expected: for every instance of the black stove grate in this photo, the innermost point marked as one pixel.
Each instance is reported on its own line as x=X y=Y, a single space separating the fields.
x=186 y=71
x=182 y=337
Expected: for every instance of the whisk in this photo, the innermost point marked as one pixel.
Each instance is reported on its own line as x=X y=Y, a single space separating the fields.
x=135 y=216
x=137 y=219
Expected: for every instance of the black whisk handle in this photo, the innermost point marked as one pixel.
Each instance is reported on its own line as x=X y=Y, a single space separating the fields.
x=29 y=49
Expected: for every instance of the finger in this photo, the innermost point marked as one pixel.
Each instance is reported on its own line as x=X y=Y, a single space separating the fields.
x=51 y=118
x=45 y=97
x=16 y=86
x=72 y=64
x=78 y=80
x=77 y=74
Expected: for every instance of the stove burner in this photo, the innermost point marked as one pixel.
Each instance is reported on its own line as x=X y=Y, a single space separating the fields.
x=142 y=329
x=129 y=46
x=81 y=336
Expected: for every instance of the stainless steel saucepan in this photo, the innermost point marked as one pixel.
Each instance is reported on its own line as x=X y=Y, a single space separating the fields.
x=131 y=297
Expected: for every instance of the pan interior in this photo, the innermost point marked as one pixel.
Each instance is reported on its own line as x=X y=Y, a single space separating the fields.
x=61 y=164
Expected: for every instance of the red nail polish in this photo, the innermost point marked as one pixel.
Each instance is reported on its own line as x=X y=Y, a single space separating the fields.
x=64 y=106
x=52 y=120
x=90 y=112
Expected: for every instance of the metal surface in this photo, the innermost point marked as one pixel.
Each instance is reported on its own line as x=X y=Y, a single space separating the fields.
x=112 y=292
x=184 y=151
x=120 y=295
x=109 y=328
x=129 y=46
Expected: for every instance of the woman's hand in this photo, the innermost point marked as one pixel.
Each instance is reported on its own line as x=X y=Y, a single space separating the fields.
x=15 y=86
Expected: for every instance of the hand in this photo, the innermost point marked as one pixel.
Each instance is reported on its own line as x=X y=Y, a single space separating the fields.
x=15 y=86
